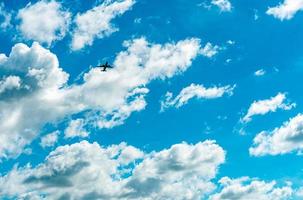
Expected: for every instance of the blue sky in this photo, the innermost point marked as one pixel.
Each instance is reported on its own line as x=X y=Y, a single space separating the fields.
x=203 y=101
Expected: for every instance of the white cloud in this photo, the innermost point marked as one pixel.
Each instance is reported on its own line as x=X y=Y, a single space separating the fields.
x=194 y=91
x=44 y=21
x=263 y=107
x=231 y=42
x=282 y=140
x=96 y=23
x=38 y=69
x=76 y=129
x=50 y=139
x=138 y=20
x=209 y=50
x=286 y=10
x=224 y=5
x=10 y=83
x=117 y=117
x=5 y=18
x=106 y=99
x=141 y=63
x=246 y=188
x=260 y=72
x=89 y=171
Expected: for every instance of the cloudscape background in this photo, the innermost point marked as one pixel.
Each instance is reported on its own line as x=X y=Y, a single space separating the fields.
x=203 y=100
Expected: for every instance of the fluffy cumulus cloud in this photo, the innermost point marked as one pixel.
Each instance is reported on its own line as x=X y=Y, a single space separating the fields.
x=106 y=99
x=224 y=5
x=10 y=83
x=194 y=91
x=263 y=107
x=89 y=171
x=96 y=23
x=246 y=188
x=285 y=139
x=44 y=21
x=36 y=100
x=286 y=10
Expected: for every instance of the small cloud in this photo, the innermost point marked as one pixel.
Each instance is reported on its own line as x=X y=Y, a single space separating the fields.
x=50 y=139
x=260 y=72
x=204 y=5
x=224 y=5
x=75 y=129
x=195 y=91
x=256 y=15
x=138 y=20
x=230 y=42
x=209 y=50
x=228 y=60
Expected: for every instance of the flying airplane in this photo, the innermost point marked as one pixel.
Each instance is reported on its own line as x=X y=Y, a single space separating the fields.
x=105 y=66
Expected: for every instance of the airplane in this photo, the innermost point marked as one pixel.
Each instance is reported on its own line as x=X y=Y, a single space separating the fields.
x=105 y=66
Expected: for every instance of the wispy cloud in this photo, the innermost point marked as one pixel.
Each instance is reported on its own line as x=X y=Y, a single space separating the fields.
x=194 y=91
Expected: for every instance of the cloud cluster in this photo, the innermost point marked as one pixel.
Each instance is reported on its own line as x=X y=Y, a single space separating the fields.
x=246 y=188
x=284 y=139
x=107 y=98
x=263 y=107
x=49 y=21
x=194 y=91
x=89 y=171
x=286 y=10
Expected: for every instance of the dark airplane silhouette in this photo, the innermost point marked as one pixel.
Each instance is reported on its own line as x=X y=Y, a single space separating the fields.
x=105 y=66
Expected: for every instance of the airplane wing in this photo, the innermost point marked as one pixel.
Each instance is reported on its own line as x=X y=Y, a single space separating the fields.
x=105 y=66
